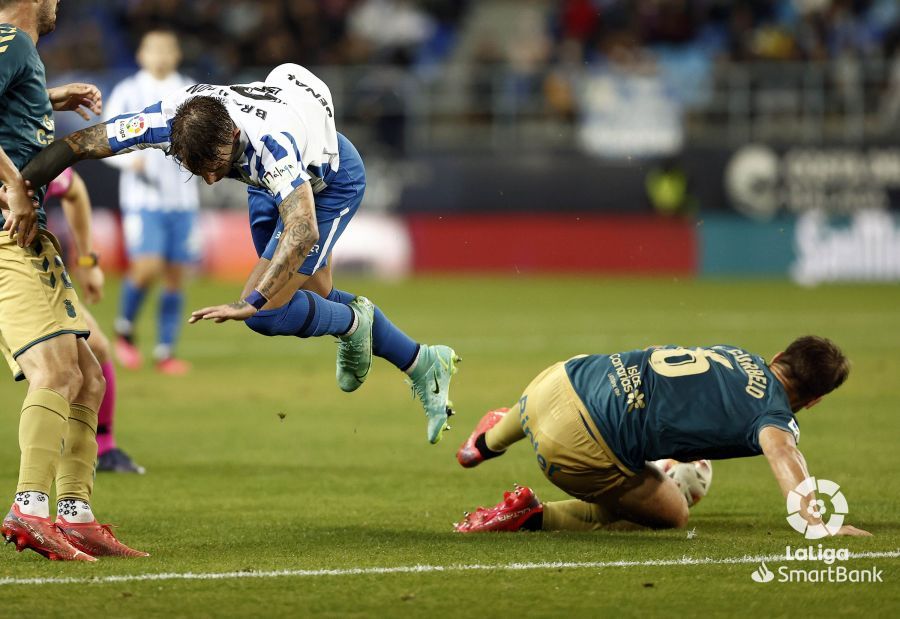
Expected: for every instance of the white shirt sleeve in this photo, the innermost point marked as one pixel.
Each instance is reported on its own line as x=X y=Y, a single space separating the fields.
x=116 y=105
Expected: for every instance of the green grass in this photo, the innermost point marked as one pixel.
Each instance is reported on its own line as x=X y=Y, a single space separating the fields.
x=348 y=480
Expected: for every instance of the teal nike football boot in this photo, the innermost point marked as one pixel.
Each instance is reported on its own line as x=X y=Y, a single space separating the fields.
x=430 y=382
x=354 y=355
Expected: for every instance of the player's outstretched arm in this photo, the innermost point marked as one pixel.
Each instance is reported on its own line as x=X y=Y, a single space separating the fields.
x=298 y=212
x=76 y=205
x=789 y=467
x=90 y=143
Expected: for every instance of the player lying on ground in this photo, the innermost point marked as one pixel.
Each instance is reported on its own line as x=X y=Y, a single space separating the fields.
x=42 y=331
x=306 y=183
x=69 y=187
x=595 y=421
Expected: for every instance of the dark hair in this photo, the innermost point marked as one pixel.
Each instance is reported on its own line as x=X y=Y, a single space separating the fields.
x=814 y=366
x=201 y=126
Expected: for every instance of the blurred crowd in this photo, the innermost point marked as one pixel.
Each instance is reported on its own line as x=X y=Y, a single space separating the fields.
x=222 y=37
x=622 y=75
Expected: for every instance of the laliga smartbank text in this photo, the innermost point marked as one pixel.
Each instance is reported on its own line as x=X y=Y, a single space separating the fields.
x=832 y=572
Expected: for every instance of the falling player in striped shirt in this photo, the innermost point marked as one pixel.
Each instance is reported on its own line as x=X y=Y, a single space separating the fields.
x=306 y=181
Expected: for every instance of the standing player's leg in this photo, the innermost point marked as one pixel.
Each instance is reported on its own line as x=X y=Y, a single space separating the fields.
x=51 y=368
x=75 y=477
x=109 y=456
x=181 y=250
x=39 y=324
x=145 y=245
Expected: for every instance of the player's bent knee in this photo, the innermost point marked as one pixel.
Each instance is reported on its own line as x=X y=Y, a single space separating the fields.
x=66 y=381
x=268 y=323
x=93 y=385
x=99 y=345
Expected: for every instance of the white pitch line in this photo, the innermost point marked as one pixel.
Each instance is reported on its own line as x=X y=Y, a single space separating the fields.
x=418 y=569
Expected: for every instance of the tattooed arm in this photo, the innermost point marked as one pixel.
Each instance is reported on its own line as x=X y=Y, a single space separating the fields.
x=298 y=212
x=90 y=143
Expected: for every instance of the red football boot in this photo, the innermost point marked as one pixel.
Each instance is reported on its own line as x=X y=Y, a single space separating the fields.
x=468 y=454
x=128 y=354
x=171 y=366
x=40 y=535
x=95 y=539
x=508 y=515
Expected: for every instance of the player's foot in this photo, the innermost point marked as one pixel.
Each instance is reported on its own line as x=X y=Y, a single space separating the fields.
x=508 y=515
x=117 y=461
x=354 y=356
x=430 y=383
x=128 y=354
x=41 y=535
x=95 y=539
x=468 y=454
x=171 y=366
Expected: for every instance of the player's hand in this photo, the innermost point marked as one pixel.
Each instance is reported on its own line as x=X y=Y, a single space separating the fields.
x=852 y=531
x=22 y=216
x=77 y=98
x=91 y=280
x=4 y=201
x=239 y=310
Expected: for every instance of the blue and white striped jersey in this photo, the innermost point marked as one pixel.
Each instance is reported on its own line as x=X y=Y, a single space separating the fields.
x=288 y=136
x=148 y=180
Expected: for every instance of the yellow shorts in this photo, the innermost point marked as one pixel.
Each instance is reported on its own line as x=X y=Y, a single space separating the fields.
x=569 y=448
x=37 y=299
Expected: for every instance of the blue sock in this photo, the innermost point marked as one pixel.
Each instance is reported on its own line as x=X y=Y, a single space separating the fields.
x=171 y=304
x=306 y=315
x=388 y=342
x=129 y=306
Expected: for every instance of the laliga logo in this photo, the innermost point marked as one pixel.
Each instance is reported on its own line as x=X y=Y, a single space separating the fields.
x=817 y=508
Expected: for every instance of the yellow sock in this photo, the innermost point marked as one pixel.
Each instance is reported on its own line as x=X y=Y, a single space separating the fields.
x=506 y=432
x=42 y=429
x=76 y=467
x=575 y=515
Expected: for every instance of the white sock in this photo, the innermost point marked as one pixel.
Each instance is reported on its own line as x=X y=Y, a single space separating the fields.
x=412 y=366
x=74 y=510
x=123 y=326
x=354 y=326
x=33 y=503
x=161 y=352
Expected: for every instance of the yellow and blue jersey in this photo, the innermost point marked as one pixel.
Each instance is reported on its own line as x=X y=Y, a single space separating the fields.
x=681 y=403
x=26 y=116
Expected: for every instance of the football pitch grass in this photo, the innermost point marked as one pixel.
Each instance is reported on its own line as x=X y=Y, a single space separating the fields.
x=283 y=496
